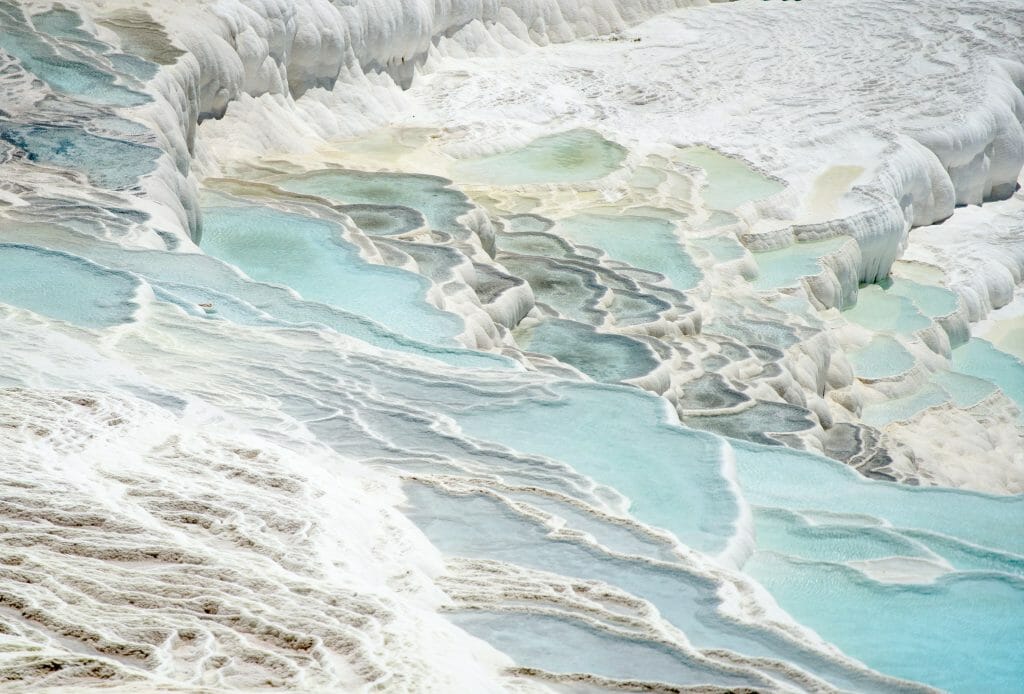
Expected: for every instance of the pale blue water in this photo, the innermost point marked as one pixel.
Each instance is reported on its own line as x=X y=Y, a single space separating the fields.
x=191 y=279
x=900 y=409
x=964 y=390
x=107 y=162
x=734 y=322
x=784 y=531
x=72 y=68
x=479 y=526
x=620 y=438
x=310 y=256
x=142 y=70
x=569 y=157
x=602 y=356
x=439 y=204
x=730 y=181
x=65 y=287
x=66 y=24
x=883 y=309
x=967 y=557
x=902 y=629
x=883 y=357
x=768 y=477
x=854 y=518
x=933 y=301
x=647 y=243
x=963 y=633
x=979 y=358
x=539 y=640
x=785 y=267
x=724 y=247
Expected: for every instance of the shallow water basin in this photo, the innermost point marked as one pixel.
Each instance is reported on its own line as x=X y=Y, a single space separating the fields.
x=311 y=256
x=883 y=357
x=730 y=181
x=570 y=157
x=784 y=267
x=65 y=287
x=645 y=243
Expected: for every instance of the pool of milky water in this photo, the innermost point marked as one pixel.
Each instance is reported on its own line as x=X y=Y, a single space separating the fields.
x=897 y=628
x=538 y=639
x=881 y=310
x=981 y=359
x=312 y=257
x=816 y=522
x=76 y=65
x=643 y=242
x=65 y=287
x=107 y=162
x=602 y=356
x=430 y=196
x=784 y=267
x=730 y=181
x=569 y=157
x=882 y=357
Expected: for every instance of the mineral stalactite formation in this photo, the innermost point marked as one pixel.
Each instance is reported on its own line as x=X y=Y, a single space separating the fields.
x=511 y=345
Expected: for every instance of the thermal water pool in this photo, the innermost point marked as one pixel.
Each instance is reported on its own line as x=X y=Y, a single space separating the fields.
x=724 y=247
x=882 y=310
x=730 y=181
x=107 y=162
x=882 y=357
x=311 y=256
x=569 y=157
x=904 y=408
x=979 y=358
x=430 y=196
x=647 y=243
x=674 y=480
x=65 y=287
x=784 y=267
x=815 y=520
x=191 y=280
x=75 y=65
x=897 y=628
x=602 y=356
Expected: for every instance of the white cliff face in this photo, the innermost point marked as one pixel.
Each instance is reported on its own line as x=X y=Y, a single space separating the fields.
x=259 y=47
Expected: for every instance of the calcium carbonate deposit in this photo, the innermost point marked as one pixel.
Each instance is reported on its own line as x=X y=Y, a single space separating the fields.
x=512 y=345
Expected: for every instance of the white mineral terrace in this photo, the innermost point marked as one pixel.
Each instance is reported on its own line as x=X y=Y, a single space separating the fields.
x=512 y=345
